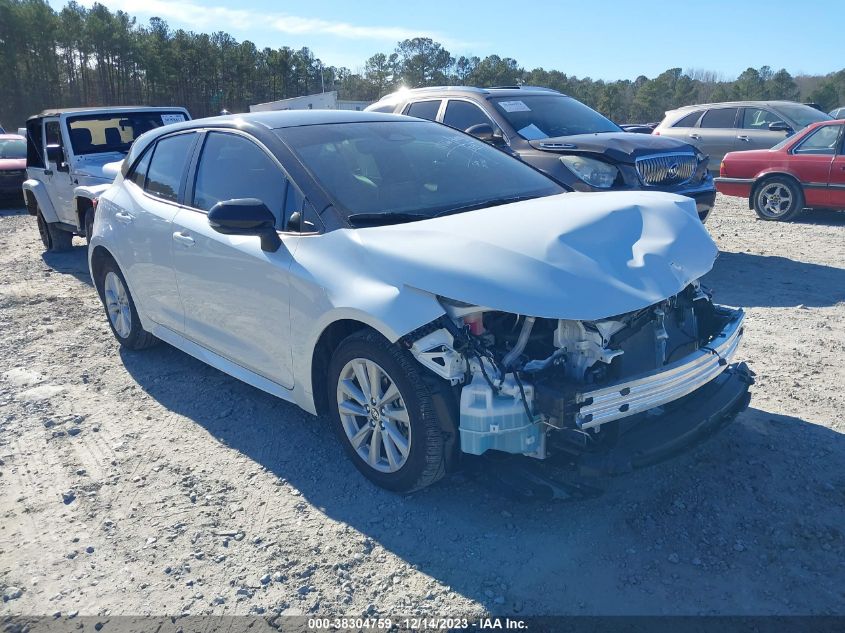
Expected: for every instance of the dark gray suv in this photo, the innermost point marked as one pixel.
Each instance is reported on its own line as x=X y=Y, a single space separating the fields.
x=564 y=138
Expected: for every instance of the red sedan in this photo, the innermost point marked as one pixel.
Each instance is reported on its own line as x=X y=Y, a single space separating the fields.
x=804 y=170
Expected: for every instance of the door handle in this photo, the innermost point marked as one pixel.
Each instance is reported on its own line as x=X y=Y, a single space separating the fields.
x=697 y=137
x=743 y=137
x=123 y=218
x=185 y=240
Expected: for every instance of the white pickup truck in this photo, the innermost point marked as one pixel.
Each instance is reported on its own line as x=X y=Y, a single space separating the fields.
x=73 y=155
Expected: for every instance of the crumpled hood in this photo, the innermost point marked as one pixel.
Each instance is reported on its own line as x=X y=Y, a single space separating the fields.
x=583 y=256
x=623 y=147
x=101 y=166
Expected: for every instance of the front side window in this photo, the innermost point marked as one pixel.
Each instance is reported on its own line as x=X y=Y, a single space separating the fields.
x=391 y=172
x=167 y=165
x=231 y=166
x=547 y=116
x=463 y=115
x=822 y=141
x=758 y=119
x=93 y=134
x=424 y=109
x=719 y=118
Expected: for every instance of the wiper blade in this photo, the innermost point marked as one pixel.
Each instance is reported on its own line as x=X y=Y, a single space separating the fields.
x=487 y=203
x=388 y=217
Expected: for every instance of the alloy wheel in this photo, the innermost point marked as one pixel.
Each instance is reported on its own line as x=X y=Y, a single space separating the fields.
x=775 y=200
x=117 y=304
x=373 y=414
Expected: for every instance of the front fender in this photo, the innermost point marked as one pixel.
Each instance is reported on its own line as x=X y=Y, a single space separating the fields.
x=36 y=189
x=89 y=192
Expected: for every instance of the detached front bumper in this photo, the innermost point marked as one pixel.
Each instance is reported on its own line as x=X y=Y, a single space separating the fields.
x=669 y=383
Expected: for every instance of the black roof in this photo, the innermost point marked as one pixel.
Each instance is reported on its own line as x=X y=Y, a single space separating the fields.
x=275 y=119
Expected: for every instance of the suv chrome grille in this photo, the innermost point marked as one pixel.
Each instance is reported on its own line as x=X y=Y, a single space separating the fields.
x=666 y=169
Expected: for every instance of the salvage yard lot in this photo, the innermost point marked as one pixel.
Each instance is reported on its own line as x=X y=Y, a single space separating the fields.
x=149 y=483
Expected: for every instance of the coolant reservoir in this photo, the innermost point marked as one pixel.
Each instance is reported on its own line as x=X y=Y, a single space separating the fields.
x=498 y=421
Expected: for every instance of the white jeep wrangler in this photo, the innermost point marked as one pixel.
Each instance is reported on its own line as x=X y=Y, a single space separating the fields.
x=73 y=156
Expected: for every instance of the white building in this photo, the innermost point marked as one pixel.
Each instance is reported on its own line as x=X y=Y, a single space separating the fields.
x=319 y=101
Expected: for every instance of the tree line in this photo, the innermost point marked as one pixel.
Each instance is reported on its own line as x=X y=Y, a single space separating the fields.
x=87 y=57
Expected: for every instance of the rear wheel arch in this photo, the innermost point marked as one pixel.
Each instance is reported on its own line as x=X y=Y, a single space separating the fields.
x=762 y=178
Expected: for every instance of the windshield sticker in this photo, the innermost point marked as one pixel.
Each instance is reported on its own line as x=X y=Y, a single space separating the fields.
x=167 y=119
x=532 y=133
x=514 y=106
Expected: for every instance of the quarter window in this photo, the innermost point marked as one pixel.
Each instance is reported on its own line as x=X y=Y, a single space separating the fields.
x=139 y=174
x=689 y=120
x=424 y=109
x=719 y=118
x=167 y=165
x=822 y=141
x=231 y=167
x=462 y=115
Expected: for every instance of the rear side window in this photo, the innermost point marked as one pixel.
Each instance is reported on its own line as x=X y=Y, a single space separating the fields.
x=424 y=109
x=167 y=166
x=719 y=118
x=462 y=115
x=689 y=120
x=231 y=167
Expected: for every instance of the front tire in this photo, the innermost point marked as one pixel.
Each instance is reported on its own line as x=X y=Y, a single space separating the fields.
x=89 y=224
x=54 y=239
x=120 y=309
x=383 y=412
x=779 y=199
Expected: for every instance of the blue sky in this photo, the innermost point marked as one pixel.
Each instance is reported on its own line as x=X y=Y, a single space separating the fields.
x=610 y=40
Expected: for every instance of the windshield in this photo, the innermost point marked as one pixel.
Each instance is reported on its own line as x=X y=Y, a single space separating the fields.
x=396 y=171
x=94 y=134
x=547 y=116
x=801 y=114
x=12 y=148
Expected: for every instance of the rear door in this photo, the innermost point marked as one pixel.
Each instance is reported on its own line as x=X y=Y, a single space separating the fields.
x=754 y=132
x=236 y=296
x=152 y=191
x=717 y=134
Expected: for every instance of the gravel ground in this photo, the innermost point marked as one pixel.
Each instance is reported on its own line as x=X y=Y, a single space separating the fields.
x=149 y=483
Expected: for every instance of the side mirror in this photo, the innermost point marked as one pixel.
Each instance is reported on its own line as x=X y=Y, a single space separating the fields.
x=780 y=126
x=246 y=216
x=487 y=133
x=55 y=154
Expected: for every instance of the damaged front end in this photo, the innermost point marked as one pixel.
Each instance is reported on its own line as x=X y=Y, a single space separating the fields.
x=535 y=386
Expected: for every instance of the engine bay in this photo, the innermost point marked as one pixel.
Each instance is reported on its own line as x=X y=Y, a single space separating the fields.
x=519 y=378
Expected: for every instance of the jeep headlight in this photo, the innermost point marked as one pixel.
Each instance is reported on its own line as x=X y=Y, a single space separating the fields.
x=594 y=172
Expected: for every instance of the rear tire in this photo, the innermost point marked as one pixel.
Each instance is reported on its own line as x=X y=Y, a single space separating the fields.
x=397 y=441
x=779 y=199
x=120 y=309
x=54 y=239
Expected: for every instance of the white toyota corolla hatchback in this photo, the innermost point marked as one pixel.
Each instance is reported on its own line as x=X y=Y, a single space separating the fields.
x=429 y=293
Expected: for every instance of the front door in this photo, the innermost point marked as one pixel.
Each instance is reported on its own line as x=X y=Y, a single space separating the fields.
x=837 y=177
x=754 y=132
x=236 y=296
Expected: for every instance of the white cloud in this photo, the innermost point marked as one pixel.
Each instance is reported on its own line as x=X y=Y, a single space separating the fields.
x=199 y=17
